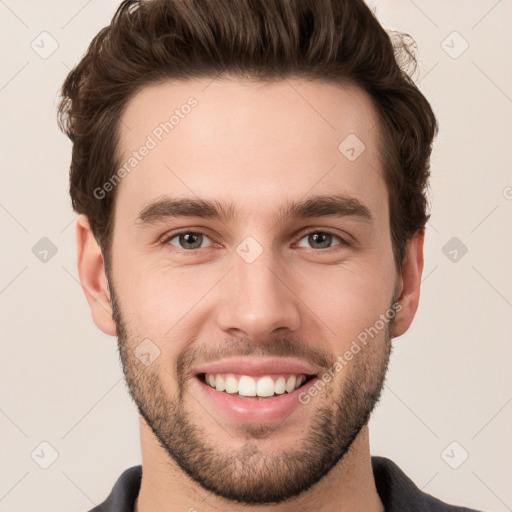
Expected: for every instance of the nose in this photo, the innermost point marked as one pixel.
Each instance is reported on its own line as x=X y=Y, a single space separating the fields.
x=258 y=300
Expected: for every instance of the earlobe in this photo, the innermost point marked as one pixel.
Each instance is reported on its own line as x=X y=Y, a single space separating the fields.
x=408 y=292
x=91 y=270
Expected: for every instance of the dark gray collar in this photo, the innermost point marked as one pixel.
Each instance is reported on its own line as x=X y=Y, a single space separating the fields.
x=397 y=492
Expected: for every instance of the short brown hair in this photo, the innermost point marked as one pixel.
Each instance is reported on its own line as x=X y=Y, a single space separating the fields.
x=335 y=41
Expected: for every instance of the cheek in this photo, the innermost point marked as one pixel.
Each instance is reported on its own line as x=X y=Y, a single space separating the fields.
x=159 y=303
x=347 y=300
x=166 y=303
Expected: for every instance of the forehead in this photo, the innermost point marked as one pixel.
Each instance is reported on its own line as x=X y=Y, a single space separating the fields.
x=253 y=144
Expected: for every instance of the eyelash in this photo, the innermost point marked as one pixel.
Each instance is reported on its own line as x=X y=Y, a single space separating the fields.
x=168 y=238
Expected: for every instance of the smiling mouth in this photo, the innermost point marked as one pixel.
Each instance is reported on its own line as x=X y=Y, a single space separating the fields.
x=248 y=387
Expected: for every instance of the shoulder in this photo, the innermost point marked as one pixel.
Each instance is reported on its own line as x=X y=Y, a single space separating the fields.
x=398 y=492
x=124 y=493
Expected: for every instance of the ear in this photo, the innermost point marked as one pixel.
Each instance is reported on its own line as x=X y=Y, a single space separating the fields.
x=408 y=293
x=91 y=269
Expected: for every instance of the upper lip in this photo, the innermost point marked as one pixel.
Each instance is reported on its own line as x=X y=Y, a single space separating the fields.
x=258 y=367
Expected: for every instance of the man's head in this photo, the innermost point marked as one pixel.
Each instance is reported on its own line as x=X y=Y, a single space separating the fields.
x=251 y=178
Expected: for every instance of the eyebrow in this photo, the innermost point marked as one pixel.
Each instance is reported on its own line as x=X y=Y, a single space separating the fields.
x=165 y=208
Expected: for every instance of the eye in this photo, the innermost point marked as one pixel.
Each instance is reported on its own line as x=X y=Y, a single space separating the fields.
x=321 y=240
x=188 y=240
x=193 y=240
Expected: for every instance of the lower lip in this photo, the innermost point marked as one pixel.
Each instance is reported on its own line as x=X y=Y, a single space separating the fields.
x=253 y=409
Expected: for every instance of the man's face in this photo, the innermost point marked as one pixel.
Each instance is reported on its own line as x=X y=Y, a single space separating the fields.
x=255 y=293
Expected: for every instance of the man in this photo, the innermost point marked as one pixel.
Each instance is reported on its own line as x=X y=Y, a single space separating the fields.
x=250 y=179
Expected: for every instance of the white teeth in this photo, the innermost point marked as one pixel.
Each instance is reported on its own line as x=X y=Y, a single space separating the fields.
x=220 y=383
x=231 y=384
x=290 y=384
x=245 y=385
x=280 y=386
x=265 y=386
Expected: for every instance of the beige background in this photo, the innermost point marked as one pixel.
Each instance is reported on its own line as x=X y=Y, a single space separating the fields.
x=450 y=378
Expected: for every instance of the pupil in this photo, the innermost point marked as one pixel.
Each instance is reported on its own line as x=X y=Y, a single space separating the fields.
x=322 y=239
x=189 y=240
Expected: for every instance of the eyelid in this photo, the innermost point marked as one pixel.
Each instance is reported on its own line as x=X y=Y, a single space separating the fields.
x=165 y=239
x=309 y=231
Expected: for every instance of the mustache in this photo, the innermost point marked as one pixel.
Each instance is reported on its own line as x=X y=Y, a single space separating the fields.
x=204 y=353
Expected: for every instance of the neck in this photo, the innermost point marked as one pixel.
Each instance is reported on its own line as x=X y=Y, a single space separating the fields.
x=349 y=486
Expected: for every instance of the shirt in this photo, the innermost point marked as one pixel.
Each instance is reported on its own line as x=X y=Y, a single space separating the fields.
x=397 y=492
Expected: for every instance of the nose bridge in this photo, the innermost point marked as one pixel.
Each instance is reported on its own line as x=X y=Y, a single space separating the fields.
x=259 y=301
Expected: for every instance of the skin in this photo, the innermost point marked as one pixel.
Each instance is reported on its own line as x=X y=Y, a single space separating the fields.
x=256 y=146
